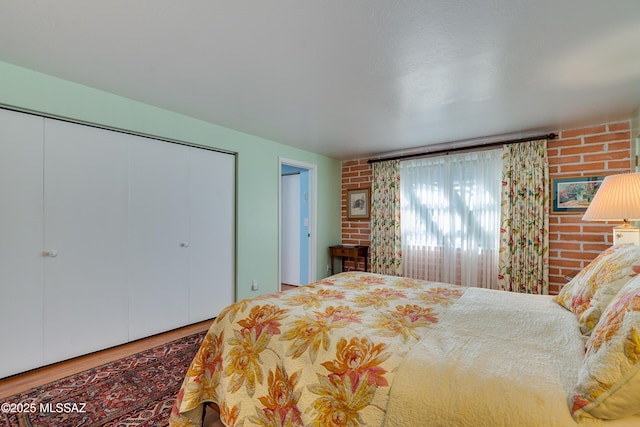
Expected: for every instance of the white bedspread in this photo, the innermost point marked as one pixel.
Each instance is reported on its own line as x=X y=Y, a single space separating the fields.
x=495 y=359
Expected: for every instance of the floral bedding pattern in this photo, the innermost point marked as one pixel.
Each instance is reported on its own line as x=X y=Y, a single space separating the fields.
x=322 y=354
x=591 y=291
x=609 y=378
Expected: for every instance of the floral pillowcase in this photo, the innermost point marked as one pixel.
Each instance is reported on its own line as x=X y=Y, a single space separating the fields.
x=609 y=379
x=589 y=293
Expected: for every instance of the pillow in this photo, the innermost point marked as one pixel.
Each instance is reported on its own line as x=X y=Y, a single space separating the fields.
x=609 y=378
x=589 y=293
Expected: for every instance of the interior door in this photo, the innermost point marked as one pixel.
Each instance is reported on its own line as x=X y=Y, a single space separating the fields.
x=290 y=238
x=212 y=233
x=21 y=232
x=158 y=237
x=85 y=289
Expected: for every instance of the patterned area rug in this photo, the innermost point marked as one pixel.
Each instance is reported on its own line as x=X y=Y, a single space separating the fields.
x=138 y=390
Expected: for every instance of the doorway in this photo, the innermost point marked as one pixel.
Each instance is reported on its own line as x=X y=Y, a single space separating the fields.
x=297 y=223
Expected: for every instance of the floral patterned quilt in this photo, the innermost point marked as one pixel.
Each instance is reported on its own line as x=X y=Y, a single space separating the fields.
x=322 y=354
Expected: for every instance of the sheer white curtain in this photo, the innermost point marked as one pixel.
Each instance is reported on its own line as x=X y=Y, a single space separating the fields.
x=450 y=210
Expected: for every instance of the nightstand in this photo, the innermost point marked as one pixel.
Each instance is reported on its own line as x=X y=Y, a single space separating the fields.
x=346 y=251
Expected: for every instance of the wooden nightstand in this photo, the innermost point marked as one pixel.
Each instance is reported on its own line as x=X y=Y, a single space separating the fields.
x=345 y=251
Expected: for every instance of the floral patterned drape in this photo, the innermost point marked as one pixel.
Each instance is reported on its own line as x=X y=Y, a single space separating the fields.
x=386 y=249
x=524 y=224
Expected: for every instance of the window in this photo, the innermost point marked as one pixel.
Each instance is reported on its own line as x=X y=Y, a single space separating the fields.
x=450 y=217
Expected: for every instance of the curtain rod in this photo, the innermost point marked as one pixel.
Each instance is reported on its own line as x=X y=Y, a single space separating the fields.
x=471 y=147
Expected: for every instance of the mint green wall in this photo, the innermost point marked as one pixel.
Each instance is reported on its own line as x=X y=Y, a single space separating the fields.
x=257 y=164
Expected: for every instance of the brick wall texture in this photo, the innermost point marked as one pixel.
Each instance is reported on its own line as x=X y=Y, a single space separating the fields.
x=598 y=150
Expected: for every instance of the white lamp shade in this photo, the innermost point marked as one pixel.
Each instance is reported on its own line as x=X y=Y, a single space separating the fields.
x=617 y=199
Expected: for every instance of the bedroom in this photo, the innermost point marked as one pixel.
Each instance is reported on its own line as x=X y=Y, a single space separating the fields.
x=31 y=86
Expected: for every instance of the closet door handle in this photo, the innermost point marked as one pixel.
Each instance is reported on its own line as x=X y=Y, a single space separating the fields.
x=51 y=253
x=184 y=244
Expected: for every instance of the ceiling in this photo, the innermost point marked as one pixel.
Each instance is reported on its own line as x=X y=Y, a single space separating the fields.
x=346 y=78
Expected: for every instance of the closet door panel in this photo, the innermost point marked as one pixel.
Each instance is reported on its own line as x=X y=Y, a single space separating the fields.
x=85 y=235
x=212 y=219
x=21 y=261
x=158 y=236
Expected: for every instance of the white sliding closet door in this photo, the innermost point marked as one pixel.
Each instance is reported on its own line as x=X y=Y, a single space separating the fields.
x=21 y=261
x=85 y=235
x=158 y=236
x=106 y=237
x=212 y=219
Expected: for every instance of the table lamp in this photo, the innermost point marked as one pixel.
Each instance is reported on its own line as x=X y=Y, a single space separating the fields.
x=618 y=199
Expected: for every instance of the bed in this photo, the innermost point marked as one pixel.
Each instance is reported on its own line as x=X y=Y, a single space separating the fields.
x=367 y=349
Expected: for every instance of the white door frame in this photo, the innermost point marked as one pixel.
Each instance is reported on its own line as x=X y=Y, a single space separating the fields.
x=313 y=227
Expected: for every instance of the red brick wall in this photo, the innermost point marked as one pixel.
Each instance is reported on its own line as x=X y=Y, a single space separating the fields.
x=355 y=174
x=602 y=149
x=595 y=150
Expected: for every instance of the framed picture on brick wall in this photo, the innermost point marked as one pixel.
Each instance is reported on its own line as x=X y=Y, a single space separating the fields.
x=574 y=194
x=358 y=203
